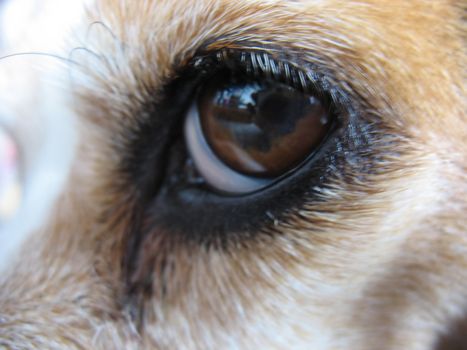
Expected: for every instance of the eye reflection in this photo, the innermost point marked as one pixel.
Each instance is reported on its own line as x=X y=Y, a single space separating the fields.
x=260 y=128
x=10 y=185
x=254 y=131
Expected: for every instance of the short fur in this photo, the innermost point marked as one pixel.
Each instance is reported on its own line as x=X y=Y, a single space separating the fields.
x=379 y=262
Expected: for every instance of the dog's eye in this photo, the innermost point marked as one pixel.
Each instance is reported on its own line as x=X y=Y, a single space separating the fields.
x=249 y=137
x=243 y=134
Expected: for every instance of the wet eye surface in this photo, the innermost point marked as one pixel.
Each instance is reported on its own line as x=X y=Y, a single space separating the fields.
x=237 y=141
x=260 y=128
x=249 y=132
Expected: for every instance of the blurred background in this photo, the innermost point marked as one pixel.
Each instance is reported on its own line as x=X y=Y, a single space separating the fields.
x=37 y=130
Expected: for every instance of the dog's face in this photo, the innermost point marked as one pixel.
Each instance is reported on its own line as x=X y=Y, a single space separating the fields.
x=272 y=174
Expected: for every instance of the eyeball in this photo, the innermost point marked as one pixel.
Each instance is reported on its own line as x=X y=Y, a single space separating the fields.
x=243 y=134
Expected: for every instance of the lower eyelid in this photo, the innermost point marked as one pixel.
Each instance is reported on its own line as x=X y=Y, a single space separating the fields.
x=226 y=175
x=182 y=190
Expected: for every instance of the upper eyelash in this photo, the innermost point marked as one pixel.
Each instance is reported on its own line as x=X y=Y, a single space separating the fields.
x=257 y=65
x=263 y=65
x=299 y=74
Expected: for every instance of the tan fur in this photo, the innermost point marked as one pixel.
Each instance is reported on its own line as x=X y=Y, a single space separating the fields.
x=376 y=264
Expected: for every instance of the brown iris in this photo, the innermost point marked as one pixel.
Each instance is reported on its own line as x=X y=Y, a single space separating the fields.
x=261 y=128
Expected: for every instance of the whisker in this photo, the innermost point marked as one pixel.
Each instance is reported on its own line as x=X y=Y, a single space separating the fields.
x=103 y=25
x=50 y=55
x=84 y=49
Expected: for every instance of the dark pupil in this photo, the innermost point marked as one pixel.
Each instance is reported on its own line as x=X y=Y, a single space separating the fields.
x=261 y=128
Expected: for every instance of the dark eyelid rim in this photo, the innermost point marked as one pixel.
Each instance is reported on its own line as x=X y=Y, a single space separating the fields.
x=205 y=63
x=289 y=69
x=269 y=182
x=190 y=73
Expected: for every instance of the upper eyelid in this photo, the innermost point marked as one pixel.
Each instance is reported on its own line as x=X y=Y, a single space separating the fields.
x=231 y=32
x=289 y=68
x=227 y=26
x=262 y=64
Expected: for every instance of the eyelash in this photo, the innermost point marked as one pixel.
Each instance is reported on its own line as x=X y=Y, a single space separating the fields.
x=262 y=65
